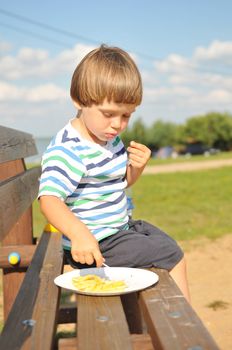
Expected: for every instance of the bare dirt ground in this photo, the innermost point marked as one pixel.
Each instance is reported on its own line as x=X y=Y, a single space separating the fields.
x=210 y=280
x=187 y=166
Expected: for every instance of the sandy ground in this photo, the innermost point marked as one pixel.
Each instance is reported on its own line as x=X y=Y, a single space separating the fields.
x=187 y=166
x=210 y=280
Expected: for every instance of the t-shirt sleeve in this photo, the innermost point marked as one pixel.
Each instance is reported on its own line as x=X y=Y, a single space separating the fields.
x=62 y=171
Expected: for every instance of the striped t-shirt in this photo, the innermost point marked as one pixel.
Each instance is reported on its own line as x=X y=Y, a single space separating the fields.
x=89 y=178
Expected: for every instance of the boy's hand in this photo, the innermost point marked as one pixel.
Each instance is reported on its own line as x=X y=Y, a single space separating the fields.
x=138 y=154
x=85 y=249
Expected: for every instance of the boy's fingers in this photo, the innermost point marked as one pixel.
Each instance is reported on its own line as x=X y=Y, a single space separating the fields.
x=136 y=155
x=138 y=148
x=89 y=259
x=98 y=258
x=135 y=151
x=137 y=145
x=78 y=258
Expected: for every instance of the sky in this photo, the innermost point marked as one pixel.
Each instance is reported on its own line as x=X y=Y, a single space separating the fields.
x=183 y=50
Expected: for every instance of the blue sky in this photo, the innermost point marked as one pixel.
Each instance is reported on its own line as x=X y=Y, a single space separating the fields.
x=183 y=50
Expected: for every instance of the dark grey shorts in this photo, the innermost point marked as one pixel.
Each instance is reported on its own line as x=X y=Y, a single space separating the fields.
x=142 y=245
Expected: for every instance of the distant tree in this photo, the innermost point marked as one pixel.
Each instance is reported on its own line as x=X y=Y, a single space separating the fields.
x=137 y=132
x=162 y=134
x=213 y=129
x=126 y=137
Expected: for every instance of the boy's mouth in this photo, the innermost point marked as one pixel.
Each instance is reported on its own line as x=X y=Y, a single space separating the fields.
x=111 y=135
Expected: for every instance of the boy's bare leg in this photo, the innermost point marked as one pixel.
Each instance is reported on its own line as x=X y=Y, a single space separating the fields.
x=179 y=274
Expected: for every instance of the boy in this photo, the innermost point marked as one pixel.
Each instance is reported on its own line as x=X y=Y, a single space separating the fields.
x=85 y=172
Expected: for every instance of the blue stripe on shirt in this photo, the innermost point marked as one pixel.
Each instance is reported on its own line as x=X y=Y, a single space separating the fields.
x=61 y=171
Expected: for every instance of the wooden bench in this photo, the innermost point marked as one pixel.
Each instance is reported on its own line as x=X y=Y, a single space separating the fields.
x=156 y=318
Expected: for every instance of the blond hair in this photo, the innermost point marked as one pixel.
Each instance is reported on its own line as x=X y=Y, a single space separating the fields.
x=106 y=73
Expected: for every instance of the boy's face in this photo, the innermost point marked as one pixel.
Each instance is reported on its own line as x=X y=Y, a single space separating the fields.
x=105 y=121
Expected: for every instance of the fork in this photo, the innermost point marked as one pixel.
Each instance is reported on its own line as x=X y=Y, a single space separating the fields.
x=105 y=265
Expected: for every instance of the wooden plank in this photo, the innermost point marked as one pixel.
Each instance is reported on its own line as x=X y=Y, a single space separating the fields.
x=15 y=144
x=25 y=252
x=67 y=344
x=46 y=308
x=12 y=168
x=32 y=321
x=12 y=281
x=139 y=342
x=102 y=324
x=16 y=195
x=171 y=321
x=132 y=312
x=20 y=233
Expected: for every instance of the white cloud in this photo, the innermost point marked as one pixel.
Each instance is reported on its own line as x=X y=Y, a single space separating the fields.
x=47 y=92
x=9 y=92
x=172 y=63
x=196 y=78
x=67 y=60
x=34 y=63
x=166 y=93
x=220 y=96
x=216 y=51
x=40 y=93
x=28 y=55
x=175 y=88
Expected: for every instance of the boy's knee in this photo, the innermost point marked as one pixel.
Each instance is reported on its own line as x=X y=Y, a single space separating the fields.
x=181 y=265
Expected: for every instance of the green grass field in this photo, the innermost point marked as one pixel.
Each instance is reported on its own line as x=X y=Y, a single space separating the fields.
x=186 y=205
x=39 y=220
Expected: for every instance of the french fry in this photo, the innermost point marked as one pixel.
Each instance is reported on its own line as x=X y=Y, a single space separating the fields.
x=93 y=283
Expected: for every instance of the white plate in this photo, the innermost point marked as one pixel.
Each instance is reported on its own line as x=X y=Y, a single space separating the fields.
x=135 y=279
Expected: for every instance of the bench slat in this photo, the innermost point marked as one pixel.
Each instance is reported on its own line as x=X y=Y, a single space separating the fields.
x=38 y=298
x=171 y=321
x=139 y=342
x=23 y=189
x=15 y=144
x=102 y=318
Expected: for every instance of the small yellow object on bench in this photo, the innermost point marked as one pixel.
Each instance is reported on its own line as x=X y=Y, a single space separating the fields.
x=95 y=283
x=50 y=228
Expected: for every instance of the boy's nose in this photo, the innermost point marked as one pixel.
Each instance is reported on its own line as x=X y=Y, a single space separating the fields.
x=116 y=123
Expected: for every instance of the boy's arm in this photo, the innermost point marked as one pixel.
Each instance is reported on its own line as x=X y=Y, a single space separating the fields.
x=85 y=248
x=138 y=157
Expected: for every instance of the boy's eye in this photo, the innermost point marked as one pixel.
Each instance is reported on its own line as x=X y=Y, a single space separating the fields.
x=127 y=116
x=106 y=114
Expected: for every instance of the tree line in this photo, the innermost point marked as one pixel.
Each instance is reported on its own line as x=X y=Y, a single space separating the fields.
x=212 y=130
